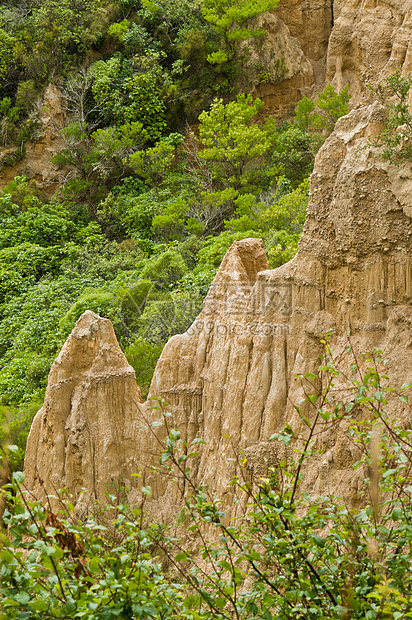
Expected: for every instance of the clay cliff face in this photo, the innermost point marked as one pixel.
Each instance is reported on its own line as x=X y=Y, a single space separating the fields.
x=260 y=328
x=355 y=42
x=233 y=373
x=370 y=39
x=290 y=62
x=84 y=435
x=36 y=163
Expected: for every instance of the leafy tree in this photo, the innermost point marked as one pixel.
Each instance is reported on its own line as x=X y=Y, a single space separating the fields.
x=278 y=219
x=303 y=114
x=146 y=104
x=67 y=28
x=129 y=97
x=234 y=142
x=396 y=137
x=294 y=152
x=152 y=163
x=330 y=106
x=233 y=21
x=96 y=159
x=7 y=57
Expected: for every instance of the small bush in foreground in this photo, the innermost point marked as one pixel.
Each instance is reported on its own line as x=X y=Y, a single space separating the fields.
x=286 y=554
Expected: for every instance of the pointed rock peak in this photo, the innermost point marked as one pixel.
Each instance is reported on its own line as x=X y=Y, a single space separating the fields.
x=91 y=347
x=230 y=290
x=243 y=261
x=85 y=433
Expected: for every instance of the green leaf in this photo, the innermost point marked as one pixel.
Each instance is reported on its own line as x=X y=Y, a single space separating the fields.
x=18 y=476
x=198 y=441
x=22 y=597
x=192 y=455
x=320 y=542
x=389 y=472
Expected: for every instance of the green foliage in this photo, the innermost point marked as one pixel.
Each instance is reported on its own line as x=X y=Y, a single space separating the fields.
x=97 y=300
x=233 y=141
x=330 y=106
x=96 y=158
x=75 y=568
x=7 y=57
x=169 y=315
x=129 y=97
x=145 y=104
x=234 y=150
x=38 y=224
x=15 y=425
x=303 y=114
x=62 y=30
x=165 y=269
x=232 y=21
x=142 y=355
x=152 y=163
x=294 y=152
x=396 y=137
x=288 y=555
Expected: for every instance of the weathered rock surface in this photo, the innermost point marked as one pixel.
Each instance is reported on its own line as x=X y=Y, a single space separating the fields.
x=233 y=373
x=290 y=62
x=369 y=40
x=36 y=163
x=355 y=42
x=85 y=434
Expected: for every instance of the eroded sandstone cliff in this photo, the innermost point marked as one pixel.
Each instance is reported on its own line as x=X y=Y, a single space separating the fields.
x=232 y=377
x=84 y=436
x=369 y=40
x=259 y=329
x=36 y=163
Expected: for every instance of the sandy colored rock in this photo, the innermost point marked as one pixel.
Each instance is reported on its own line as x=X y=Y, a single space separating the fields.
x=260 y=328
x=232 y=377
x=84 y=437
x=370 y=39
x=289 y=62
x=36 y=163
x=354 y=42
